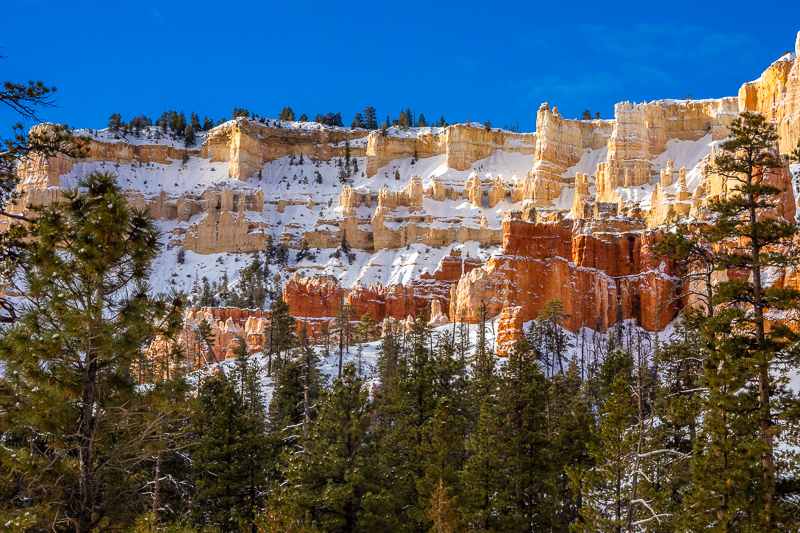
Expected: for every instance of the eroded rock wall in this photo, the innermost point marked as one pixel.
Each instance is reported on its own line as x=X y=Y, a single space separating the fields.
x=595 y=275
x=248 y=145
x=776 y=95
x=462 y=145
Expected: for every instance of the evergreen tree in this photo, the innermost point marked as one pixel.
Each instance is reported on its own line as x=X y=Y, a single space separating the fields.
x=421 y=122
x=408 y=409
x=180 y=123
x=280 y=335
x=604 y=487
x=287 y=114
x=367 y=331
x=207 y=123
x=481 y=509
x=358 y=121
x=73 y=417
x=303 y=118
x=756 y=240
x=228 y=461
x=403 y=120
x=548 y=336
x=729 y=490
x=331 y=483
x=370 y=119
x=586 y=115
x=114 y=122
x=188 y=135
x=521 y=406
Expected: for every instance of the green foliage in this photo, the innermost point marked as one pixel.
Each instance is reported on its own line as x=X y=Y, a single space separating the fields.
x=227 y=475
x=287 y=114
x=280 y=335
x=73 y=416
x=332 y=482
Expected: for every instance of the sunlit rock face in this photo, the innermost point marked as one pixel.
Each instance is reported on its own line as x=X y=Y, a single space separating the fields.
x=571 y=211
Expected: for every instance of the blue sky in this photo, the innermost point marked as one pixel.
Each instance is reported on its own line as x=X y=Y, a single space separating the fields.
x=482 y=60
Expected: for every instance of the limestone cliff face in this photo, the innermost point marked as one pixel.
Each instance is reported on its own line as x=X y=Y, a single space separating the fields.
x=40 y=177
x=560 y=145
x=316 y=300
x=592 y=273
x=776 y=95
x=225 y=224
x=462 y=145
x=247 y=145
x=641 y=133
x=227 y=325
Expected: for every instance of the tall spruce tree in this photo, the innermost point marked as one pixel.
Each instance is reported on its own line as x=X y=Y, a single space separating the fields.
x=604 y=486
x=527 y=502
x=331 y=484
x=73 y=417
x=407 y=410
x=759 y=240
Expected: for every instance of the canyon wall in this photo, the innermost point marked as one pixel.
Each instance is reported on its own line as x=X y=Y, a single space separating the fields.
x=776 y=95
x=597 y=276
x=572 y=210
x=462 y=145
x=247 y=145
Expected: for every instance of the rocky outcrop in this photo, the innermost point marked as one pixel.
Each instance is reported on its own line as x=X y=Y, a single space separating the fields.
x=595 y=275
x=462 y=145
x=437 y=317
x=248 y=145
x=226 y=225
x=316 y=300
x=510 y=329
x=227 y=325
x=776 y=95
x=560 y=145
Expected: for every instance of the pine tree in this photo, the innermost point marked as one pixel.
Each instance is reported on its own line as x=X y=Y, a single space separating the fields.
x=445 y=450
x=367 y=331
x=403 y=120
x=370 y=118
x=73 y=416
x=180 y=123
x=548 y=336
x=358 y=121
x=287 y=114
x=228 y=461
x=188 y=135
x=756 y=240
x=442 y=511
x=604 y=487
x=114 y=122
x=480 y=508
x=407 y=410
x=331 y=482
x=586 y=115
x=522 y=401
x=421 y=122
x=729 y=489
x=280 y=335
